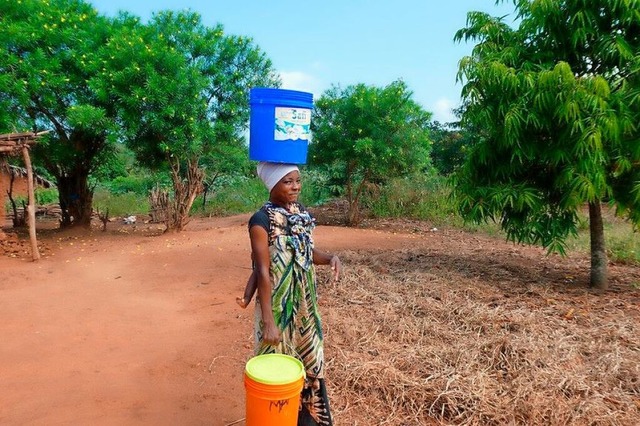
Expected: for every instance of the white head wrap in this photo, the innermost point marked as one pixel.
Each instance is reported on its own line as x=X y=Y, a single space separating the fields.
x=271 y=173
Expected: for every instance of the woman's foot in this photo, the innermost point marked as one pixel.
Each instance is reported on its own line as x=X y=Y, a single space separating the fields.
x=241 y=302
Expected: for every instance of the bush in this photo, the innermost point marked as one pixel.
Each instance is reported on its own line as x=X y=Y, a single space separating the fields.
x=316 y=187
x=241 y=194
x=415 y=197
x=137 y=184
x=120 y=204
x=232 y=195
x=46 y=196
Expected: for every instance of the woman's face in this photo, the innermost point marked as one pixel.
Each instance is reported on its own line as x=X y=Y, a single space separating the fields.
x=287 y=189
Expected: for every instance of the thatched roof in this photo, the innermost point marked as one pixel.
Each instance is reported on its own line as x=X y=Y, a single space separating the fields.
x=12 y=144
x=21 y=171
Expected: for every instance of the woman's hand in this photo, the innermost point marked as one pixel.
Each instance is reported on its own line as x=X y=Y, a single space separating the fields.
x=336 y=267
x=321 y=258
x=270 y=334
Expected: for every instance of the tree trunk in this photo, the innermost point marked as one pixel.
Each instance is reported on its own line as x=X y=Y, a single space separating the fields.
x=207 y=184
x=354 y=200
x=205 y=191
x=354 y=213
x=76 y=199
x=185 y=191
x=18 y=221
x=3 y=169
x=598 y=252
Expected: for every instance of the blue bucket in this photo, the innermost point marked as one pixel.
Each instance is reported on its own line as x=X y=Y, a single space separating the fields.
x=280 y=126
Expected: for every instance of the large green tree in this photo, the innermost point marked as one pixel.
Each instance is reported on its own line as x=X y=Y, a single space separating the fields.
x=47 y=64
x=173 y=89
x=555 y=102
x=367 y=135
x=188 y=105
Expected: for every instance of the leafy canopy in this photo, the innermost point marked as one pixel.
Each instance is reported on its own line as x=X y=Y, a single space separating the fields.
x=367 y=135
x=370 y=131
x=556 y=106
x=190 y=89
x=47 y=64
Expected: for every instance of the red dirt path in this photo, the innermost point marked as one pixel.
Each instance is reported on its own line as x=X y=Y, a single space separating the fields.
x=128 y=328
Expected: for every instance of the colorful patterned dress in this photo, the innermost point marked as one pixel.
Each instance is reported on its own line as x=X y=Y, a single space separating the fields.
x=294 y=303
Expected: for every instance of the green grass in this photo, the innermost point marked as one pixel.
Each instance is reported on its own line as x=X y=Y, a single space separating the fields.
x=120 y=205
x=423 y=198
x=427 y=198
x=419 y=197
x=232 y=195
x=621 y=241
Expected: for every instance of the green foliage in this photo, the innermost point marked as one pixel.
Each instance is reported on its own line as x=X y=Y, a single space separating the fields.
x=121 y=205
x=238 y=193
x=173 y=89
x=190 y=85
x=188 y=105
x=316 y=187
x=554 y=104
x=367 y=135
x=140 y=185
x=449 y=147
x=43 y=197
x=46 y=196
x=234 y=195
x=49 y=61
x=420 y=196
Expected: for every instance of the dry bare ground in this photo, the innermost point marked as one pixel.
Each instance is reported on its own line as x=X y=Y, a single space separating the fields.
x=425 y=327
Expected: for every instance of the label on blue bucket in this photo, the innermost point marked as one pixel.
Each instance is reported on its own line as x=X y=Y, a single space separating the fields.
x=292 y=124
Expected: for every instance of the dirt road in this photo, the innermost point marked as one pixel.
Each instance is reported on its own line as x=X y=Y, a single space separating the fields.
x=125 y=328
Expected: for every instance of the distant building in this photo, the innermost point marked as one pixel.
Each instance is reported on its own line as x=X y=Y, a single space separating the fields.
x=20 y=187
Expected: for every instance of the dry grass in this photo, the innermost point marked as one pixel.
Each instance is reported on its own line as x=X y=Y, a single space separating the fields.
x=418 y=338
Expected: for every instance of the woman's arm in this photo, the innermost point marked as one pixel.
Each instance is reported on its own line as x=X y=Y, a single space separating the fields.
x=262 y=259
x=321 y=258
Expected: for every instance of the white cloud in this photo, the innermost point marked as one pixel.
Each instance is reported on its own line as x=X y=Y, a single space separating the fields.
x=297 y=80
x=442 y=111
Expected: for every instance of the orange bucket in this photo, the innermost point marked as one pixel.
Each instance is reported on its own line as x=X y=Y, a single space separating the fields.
x=273 y=383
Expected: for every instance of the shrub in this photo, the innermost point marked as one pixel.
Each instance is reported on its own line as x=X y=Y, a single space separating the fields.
x=121 y=204
x=417 y=197
x=232 y=195
x=137 y=184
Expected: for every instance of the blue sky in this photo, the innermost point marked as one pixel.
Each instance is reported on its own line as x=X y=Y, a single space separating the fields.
x=316 y=44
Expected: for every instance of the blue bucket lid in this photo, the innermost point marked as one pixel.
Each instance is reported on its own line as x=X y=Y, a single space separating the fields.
x=264 y=95
x=274 y=369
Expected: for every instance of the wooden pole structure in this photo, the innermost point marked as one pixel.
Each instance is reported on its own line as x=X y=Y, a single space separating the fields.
x=35 y=254
x=12 y=144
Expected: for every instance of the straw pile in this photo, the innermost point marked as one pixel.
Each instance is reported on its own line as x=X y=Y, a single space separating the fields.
x=414 y=339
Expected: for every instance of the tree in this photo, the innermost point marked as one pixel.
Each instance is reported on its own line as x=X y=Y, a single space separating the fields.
x=449 y=147
x=555 y=103
x=190 y=98
x=48 y=63
x=368 y=135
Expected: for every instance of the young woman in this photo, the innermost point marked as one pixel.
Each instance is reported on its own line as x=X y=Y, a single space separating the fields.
x=287 y=317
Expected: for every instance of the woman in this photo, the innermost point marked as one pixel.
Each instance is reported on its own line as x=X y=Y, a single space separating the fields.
x=287 y=317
